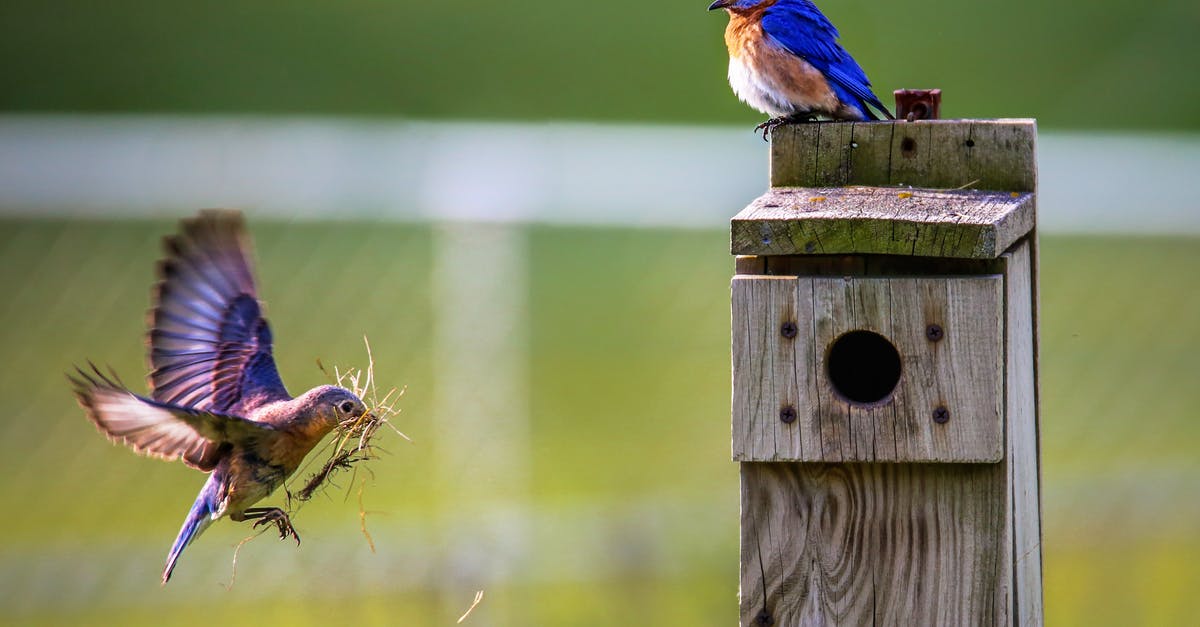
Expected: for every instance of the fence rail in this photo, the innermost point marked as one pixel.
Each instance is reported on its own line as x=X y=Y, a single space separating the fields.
x=556 y=173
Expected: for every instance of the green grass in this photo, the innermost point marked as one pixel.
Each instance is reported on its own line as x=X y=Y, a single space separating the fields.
x=629 y=451
x=1103 y=64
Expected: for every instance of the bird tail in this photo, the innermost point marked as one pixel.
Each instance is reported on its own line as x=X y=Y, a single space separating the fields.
x=198 y=519
x=866 y=104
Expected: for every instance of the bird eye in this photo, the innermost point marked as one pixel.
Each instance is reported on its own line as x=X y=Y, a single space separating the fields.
x=347 y=407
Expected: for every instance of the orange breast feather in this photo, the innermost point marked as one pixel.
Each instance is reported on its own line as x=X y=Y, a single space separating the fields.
x=787 y=76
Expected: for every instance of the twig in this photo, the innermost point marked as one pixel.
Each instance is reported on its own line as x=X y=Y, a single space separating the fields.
x=362 y=516
x=478 y=598
x=236 y=551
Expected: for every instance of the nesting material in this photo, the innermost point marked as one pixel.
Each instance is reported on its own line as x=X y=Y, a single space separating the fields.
x=353 y=441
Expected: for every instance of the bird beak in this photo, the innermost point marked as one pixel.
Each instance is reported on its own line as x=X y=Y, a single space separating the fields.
x=720 y=4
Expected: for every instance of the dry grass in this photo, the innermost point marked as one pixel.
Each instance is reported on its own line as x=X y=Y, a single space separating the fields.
x=474 y=604
x=353 y=442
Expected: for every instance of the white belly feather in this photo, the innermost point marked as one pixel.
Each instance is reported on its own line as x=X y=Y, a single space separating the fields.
x=752 y=88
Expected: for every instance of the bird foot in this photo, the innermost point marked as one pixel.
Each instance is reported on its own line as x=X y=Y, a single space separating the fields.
x=773 y=123
x=281 y=520
x=770 y=125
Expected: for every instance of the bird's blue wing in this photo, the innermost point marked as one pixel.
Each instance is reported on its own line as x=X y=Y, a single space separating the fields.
x=801 y=28
x=160 y=429
x=210 y=347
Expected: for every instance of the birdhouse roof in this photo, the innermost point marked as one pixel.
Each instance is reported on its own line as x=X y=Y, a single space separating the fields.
x=882 y=220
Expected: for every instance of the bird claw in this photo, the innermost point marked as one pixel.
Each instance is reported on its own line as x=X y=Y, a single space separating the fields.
x=769 y=125
x=282 y=522
x=774 y=123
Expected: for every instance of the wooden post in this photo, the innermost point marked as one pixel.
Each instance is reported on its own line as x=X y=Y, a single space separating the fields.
x=885 y=377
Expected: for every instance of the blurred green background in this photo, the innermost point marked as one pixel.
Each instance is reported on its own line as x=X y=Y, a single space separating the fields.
x=626 y=504
x=1070 y=64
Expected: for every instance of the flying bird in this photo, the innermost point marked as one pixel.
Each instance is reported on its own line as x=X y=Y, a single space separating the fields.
x=216 y=400
x=785 y=61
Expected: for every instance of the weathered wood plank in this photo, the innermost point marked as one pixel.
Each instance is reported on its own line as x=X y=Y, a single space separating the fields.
x=946 y=154
x=766 y=381
x=749 y=264
x=962 y=371
x=882 y=220
x=1021 y=406
x=867 y=544
x=849 y=431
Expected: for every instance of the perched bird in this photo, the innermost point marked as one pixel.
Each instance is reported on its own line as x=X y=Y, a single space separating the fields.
x=216 y=399
x=784 y=60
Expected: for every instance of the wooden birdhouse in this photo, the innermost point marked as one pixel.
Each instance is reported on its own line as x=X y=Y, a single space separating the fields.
x=885 y=399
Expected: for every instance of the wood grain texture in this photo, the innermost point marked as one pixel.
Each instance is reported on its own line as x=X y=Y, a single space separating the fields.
x=882 y=220
x=749 y=264
x=765 y=378
x=878 y=226
x=962 y=372
x=947 y=154
x=873 y=544
x=1022 y=437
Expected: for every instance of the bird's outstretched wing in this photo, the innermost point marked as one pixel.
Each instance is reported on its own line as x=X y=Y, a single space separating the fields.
x=210 y=347
x=159 y=429
x=799 y=26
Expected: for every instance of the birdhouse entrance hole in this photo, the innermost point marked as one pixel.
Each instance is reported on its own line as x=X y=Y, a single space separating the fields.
x=864 y=367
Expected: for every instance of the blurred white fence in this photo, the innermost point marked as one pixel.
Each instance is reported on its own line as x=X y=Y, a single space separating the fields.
x=557 y=173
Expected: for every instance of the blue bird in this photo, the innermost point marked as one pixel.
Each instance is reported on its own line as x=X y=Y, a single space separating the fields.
x=785 y=61
x=216 y=399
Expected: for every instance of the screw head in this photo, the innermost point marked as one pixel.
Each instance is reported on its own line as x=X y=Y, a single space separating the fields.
x=934 y=332
x=789 y=329
x=941 y=415
x=787 y=414
x=764 y=618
